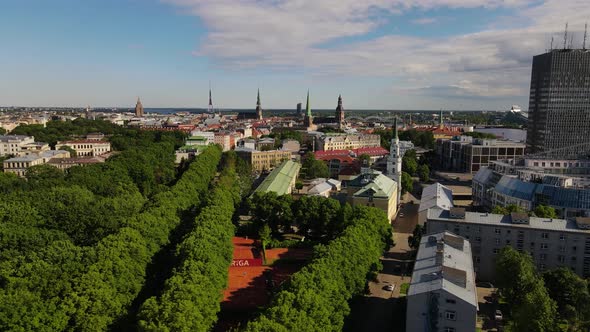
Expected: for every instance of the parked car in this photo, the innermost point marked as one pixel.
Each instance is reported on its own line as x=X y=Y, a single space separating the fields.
x=498 y=315
x=389 y=287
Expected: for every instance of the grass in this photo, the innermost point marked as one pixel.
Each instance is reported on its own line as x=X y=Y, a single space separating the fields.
x=403 y=289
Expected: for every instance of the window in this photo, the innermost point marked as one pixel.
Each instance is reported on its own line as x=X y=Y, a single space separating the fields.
x=498 y=231
x=544 y=246
x=542 y=267
x=561 y=258
x=496 y=250
x=478 y=239
x=477 y=259
x=544 y=235
x=507 y=242
x=451 y=301
x=451 y=315
x=543 y=257
x=497 y=241
x=561 y=248
x=562 y=237
x=449 y=329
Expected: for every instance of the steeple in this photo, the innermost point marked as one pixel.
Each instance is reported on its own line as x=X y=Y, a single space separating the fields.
x=395 y=136
x=258 y=107
x=210 y=108
x=308 y=121
x=307 y=106
x=440 y=120
x=340 y=113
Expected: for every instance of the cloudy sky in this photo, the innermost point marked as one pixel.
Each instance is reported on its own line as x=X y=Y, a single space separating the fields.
x=379 y=54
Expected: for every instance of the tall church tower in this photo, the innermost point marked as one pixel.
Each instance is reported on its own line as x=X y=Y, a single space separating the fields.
x=441 y=125
x=394 y=161
x=308 y=121
x=138 y=108
x=258 y=107
x=340 y=113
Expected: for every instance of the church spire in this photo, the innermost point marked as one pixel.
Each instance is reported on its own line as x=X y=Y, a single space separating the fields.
x=395 y=136
x=258 y=98
x=440 y=120
x=258 y=107
x=340 y=113
x=307 y=106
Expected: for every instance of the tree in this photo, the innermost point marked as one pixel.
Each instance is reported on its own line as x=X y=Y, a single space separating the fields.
x=409 y=163
x=69 y=149
x=544 y=211
x=407 y=183
x=508 y=209
x=424 y=173
x=298 y=185
x=2 y=131
x=365 y=159
x=570 y=293
x=414 y=239
x=313 y=168
x=536 y=313
x=516 y=275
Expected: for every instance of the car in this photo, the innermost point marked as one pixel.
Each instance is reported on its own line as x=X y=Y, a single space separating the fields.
x=401 y=214
x=389 y=287
x=498 y=315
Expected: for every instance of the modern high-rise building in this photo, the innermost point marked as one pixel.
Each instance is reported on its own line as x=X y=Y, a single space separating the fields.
x=559 y=104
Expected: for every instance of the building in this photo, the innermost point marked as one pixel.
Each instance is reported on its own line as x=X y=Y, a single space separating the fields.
x=323 y=187
x=308 y=120
x=65 y=163
x=86 y=148
x=282 y=179
x=299 y=109
x=372 y=188
x=13 y=144
x=225 y=140
x=291 y=145
x=208 y=135
x=394 y=161
x=559 y=104
x=434 y=196
x=138 y=108
x=20 y=165
x=465 y=154
x=442 y=294
x=258 y=107
x=552 y=243
x=263 y=160
x=332 y=141
x=340 y=113
x=197 y=140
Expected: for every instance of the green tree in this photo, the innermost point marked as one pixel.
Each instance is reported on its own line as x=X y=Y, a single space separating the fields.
x=516 y=275
x=365 y=159
x=536 y=313
x=424 y=173
x=508 y=209
x=571 y=295
x=414 y=239
x=313 y=168
x=544 y=211
x=2 y=131
x=409 y=163
x=407 y=183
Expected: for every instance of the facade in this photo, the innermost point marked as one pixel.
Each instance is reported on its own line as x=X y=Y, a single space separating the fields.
x=340 y=113
x=442 y=294
x=348 y=141
x=226 y=141
x=138 y=108
x=372 y=188
x=394 y=161
x=434 y=196
x=282 y=179
x=559 y=104
x=12 y=144
x=466 y=154
x=86 y=148
x=19 y=165
x=552 y=243
x=263 y=160
x=501 y=184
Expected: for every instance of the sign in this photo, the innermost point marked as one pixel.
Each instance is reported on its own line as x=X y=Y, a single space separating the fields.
x=246 y=262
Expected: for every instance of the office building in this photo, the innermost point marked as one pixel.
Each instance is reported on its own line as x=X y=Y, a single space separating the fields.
x=331 y=141
x=552 y=243
x=559 y=104
x=442 y=294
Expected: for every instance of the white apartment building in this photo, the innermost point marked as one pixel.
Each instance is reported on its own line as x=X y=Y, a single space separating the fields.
x=552 y=243
x=208 y=135
x=12 y=144
x=19 y=165
x=348 y=142
x=86 y=148
x=442 y=296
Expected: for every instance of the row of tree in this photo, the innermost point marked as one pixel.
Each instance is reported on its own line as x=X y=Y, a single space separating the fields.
x=316 y=298
x=190 y=299
x=541 y=302
x=541 y=211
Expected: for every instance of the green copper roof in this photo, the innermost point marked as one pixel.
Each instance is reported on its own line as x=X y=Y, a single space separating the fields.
x=308 y=107
x=258 y=98
x=280 y=179
x=378 y=185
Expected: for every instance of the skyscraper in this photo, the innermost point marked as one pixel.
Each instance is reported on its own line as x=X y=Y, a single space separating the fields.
x=138 y=108
x=559 y=104
x=258 y=107
x=340 y=113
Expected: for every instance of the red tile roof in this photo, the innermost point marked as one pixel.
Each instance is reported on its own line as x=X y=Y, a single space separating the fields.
x=374 y=151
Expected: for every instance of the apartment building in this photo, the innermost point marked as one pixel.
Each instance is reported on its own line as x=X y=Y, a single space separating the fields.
x=373 y=188
x=263 y=160
x=348 y=142
x=551 y=242
x=86 y=148
x=20 y=165
x=442 y=294
x=12 y=144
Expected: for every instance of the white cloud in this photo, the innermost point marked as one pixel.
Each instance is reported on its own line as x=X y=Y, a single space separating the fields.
x=424 y=20
x=284 y=34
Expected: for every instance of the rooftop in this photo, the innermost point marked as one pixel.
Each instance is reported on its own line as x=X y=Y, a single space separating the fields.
x=279 y=180
x=436 y=195
x=374 y=184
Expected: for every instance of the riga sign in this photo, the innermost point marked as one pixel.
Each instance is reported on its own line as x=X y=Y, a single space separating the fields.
x=246 y=262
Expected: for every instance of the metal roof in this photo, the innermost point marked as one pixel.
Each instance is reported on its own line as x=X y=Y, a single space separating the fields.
x=436 y=195
x=279 y=180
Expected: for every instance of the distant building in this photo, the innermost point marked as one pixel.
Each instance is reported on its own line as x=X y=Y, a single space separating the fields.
x=20 y=165
x=208 y=135
x=299 y=109
x=13 y=144
x=88 y=148
x=340 y=113
x=559 y=104
x=291 y=145
x=552 y=243
x=372 y=188
x=442 y=294
x=138 y=108
x=282 y=179
x=308 y=120
x=258 y=107
x=225 y=140
x=329 y=142
x=324 y=187
x=465 y=154
x=263 y=160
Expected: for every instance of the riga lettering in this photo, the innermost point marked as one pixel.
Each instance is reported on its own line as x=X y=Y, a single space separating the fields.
x=246 y=262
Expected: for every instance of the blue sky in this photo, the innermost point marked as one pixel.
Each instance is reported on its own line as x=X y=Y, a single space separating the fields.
x=379 y=54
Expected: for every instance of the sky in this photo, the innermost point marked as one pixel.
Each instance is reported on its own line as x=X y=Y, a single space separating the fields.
x=379 y=54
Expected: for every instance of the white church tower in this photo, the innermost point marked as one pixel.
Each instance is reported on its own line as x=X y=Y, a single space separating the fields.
x=394 y=161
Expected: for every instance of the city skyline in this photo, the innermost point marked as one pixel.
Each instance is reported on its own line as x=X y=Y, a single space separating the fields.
x=379 y=54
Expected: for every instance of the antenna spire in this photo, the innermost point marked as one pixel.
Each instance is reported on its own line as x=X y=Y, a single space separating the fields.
x=565 y=37
x=585 y=34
